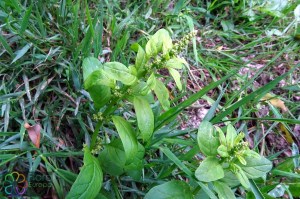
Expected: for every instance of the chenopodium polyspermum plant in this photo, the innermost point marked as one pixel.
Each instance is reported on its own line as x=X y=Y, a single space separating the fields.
x=113 y=83
x=229 y=161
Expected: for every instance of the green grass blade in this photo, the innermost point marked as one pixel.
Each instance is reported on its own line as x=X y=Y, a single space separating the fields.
x=248 y=83
x=207 y=190
x=121 y=44
x=15 y=4
x=21 y=53
x=40 y=22
x=255 y=190
x=25 y=20
x=12 y=158
x=75 y=24
x=89 y=18
x=285 y=174
x=211 y=111
x=285 y=120
x=6 y=45
x=191 y=27
x=99 y=33
x=256 y=95
x=179 y=5
x=174 y=159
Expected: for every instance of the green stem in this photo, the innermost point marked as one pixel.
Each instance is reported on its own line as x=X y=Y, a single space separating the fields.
x=115 y=188
x=110 y=109
x=95 y=133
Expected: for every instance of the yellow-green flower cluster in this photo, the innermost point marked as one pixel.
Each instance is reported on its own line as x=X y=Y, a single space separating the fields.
x=178 y=47
x=98 y=117
x=98 y=146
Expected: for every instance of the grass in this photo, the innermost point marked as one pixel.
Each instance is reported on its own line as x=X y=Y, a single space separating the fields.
x=42 y=47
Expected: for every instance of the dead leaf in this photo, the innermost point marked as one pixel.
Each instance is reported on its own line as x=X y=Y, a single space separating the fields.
x=275 y=102
x=34 y=133
x=170 y=95
x=286 y=133
x=220 y=48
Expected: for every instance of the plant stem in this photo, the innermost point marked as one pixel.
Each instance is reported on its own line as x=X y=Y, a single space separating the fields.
x=95 y=133
x=110 y=109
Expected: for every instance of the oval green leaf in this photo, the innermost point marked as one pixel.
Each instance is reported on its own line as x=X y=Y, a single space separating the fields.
x=257 y=166
x=160 y=41
x=120 y=72
x=242 y=177
x=112 y=158
x=230 y=136
x=223 y=190
x=98 y=77
x=135 y=167
x=223 y=151
x=209 y=170
x=162 y=94
x=176 y=76
x=140 y=59
x=89 y=181
x=145 y=117
x=127 y=136
x=132 y=70
x=140 y=88
x=100 y=95
x=151 y=82
x=89 y=65
x=176 y=63
x=172 y=189
x=208 y=143
x=230 y=178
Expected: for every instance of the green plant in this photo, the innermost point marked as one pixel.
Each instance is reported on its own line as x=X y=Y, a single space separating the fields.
x=229 y=161
x=113 y=84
